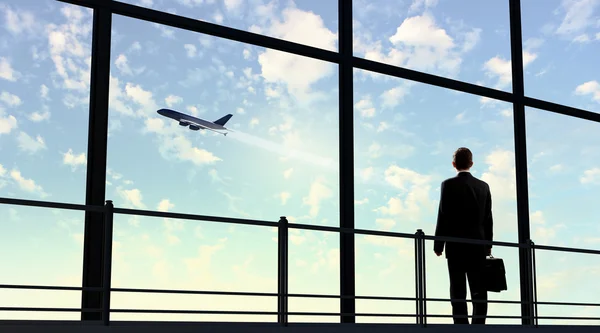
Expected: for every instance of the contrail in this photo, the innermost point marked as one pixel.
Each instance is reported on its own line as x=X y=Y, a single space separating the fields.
x=280 y=149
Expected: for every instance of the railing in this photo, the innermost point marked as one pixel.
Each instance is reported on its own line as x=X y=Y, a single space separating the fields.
x=282 y=294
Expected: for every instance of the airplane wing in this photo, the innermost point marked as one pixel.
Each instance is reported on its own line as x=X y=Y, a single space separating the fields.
x=195 y=126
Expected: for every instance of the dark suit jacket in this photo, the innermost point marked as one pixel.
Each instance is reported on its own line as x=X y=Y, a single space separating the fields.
x=465 y=211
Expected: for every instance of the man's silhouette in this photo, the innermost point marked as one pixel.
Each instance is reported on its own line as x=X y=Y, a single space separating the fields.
x=465 y=211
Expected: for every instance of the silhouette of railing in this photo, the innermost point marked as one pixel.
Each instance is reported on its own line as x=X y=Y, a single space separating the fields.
x=282 y=304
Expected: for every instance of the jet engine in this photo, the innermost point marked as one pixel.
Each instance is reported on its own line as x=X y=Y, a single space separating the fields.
x=183 y=123
x=194 y=127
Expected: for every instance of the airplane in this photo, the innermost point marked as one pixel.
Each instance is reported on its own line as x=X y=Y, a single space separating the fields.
x=196 y=123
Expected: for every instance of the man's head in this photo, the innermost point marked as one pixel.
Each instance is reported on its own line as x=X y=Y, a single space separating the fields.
x=463 y=159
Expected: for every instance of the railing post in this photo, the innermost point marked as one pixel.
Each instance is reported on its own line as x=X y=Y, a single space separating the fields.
x=418 y=277
x=282 y=270
x=423 y=279
x=108 y=241
x=534 y=283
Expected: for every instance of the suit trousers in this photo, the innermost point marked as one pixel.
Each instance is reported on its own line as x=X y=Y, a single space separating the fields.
x=459 y=269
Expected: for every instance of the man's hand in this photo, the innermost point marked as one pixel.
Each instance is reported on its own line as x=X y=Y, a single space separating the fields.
x=438 y=253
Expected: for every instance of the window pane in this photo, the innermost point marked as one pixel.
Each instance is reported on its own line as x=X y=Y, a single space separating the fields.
x=44 y=100
x=46 y=248
x=314 y=256
x=157 y=253
x=468 y=41
x=279 y=156
x=567 y=277
x=385 y=266
x=561 y=40
x=563 y=157
x=308 y=22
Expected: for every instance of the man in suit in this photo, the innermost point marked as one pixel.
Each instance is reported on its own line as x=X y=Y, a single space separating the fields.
x=465 y=211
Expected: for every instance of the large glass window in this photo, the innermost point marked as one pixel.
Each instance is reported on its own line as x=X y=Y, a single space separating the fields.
x=44 y=105
x=468 y=41
x=564 y=168
x=562 y=39
x=406 y=133
x=309 y=22
x=279 y=158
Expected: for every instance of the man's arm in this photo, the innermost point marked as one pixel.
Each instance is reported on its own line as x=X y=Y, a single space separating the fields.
x=440 y=228
x=489 y=220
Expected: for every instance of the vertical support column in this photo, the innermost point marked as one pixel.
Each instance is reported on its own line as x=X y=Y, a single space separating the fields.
x=93 y=246
x=346 y=149
x=282 y=271
x=516 y=43
x=108 y=242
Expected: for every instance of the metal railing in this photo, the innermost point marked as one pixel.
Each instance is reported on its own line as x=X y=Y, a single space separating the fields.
x=282 y=294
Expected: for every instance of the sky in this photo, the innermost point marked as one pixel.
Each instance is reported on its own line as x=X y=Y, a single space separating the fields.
x=281 y=157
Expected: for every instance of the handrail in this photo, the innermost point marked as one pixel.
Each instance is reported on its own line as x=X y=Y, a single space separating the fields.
x=50 y=204
x=208 y=218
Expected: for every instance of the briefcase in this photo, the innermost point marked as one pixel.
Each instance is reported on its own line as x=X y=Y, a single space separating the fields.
x=494 y=274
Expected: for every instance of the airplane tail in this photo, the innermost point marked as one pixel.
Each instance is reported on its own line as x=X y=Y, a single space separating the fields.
x=222 y=121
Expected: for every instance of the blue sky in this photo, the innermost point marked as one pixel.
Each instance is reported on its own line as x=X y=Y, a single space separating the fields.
x=282 y=157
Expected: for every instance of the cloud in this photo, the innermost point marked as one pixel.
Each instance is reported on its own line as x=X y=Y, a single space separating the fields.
x=543 y=233
x=578 y=17
x=173 y=100
x=413 y=194
x=122 y=65
x=501 y=175
x=295 y=72
x=18 y=21
x=39 y=116
x=431 y=49
x=589 y=88
x=74 y=160
x=232 y=5
x=6 y=70
x=420 y=4
x=165 y=205
x=69 y=51
x=44 y=91
x=29 y=144
x=181 y=148
x=317 y=193
x=27 y=185
x=501 y=69
x=288 y=173
x=590 y=176
x=394 y=96
x=190 y=50
x=284 y=196
x=132 y=198
x=10 y=99
x=365 y=107
x=7 y=123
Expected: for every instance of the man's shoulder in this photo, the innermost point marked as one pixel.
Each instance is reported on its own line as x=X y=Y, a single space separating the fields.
x=481 y=183
x=457 y=179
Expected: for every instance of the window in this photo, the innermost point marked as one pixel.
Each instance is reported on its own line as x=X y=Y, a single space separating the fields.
x=561 y=41
x=469 y=42
x=279 y=158
x=44 y=107
x=312 y=23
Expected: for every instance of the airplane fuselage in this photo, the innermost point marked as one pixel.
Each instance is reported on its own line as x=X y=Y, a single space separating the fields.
x=186 y=120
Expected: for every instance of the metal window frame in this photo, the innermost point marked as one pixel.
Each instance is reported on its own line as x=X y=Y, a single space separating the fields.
x=347 y=62
x=93 y=244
